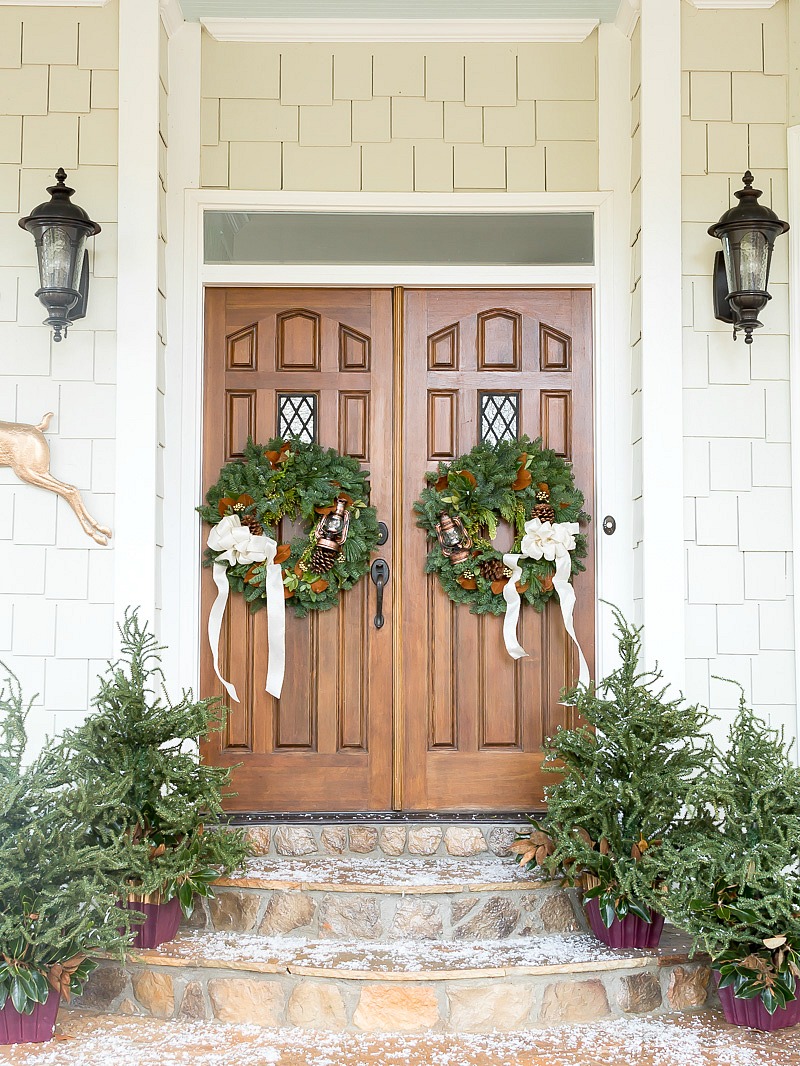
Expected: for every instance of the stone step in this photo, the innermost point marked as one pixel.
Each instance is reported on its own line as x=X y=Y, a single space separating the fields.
x=678 y=1040
x=406 y=986
x=390 y=838
x=370 y=898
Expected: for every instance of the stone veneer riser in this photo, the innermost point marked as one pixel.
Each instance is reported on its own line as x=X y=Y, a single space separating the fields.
x=375 y=915
x=506 y=1002
x=392 y=839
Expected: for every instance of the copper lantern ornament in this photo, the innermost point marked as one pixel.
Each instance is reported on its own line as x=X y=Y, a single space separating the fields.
x=330 y=535
x=453 y=539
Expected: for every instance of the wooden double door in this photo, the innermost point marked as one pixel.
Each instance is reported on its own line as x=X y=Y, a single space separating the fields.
x=428 y=712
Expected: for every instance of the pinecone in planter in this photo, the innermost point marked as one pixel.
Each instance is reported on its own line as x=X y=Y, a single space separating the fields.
x=493 y=569
x=544 y=512
x=322 y=559
x=252 y=523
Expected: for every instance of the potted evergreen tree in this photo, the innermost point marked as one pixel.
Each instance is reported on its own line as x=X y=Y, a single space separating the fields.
x=59 y=879
x=623 y=775
x=139 y=736
x=735 y=885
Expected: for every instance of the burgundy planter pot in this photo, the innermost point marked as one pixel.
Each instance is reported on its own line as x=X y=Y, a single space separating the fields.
x=753 y=1013
x=630 y=932
x=34 y=1028
x=160 y=924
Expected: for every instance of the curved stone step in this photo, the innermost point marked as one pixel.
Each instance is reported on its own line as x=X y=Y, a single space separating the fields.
x=372 y=899
x=387 y=837
x=402 y=987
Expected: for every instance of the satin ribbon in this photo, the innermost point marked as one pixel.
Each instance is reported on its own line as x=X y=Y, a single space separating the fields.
x=544 y=540
x=237 y=545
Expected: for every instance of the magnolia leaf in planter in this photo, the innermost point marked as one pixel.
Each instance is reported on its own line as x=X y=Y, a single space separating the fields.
x=774 y=942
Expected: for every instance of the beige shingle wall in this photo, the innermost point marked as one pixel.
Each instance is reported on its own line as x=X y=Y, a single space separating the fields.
x=58 y=107
x=736 y=399
x=427 y=118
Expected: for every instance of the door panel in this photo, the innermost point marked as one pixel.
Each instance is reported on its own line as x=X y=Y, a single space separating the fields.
x=276 y=359
x=505 y=363
x=470 y=721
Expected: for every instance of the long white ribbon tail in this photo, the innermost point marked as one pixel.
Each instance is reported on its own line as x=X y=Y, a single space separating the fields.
x=215 y=622
x=566 y=599
x=276 y=621
x=566 y=596
x=511 y=596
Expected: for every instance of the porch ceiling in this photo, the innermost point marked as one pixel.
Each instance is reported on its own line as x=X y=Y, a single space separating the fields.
x=605 y=10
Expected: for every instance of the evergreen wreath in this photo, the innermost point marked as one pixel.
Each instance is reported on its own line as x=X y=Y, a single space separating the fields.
x=301 y=482
x=515 y=480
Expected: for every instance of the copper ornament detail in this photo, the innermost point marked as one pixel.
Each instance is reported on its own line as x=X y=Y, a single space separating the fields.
x=332 y=529
x=454 y=540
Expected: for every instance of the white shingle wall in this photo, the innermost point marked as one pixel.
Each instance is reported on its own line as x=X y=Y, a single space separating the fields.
x=58 y=107
x=378 y=118
x=736 y=399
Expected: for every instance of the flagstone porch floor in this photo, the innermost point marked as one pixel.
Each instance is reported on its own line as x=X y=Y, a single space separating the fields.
x=695 y=1040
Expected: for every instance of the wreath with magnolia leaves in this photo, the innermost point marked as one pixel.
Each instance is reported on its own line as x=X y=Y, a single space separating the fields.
x=515 y=481
x=300 y=482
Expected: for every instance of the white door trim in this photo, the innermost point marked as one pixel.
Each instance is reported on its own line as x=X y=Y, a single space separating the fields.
x=184 y=406
x=793 y=140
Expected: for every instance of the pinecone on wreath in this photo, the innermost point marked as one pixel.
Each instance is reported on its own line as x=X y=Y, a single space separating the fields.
x=544 y=512
x=493 y=570
x=252 y=523
x=322 y=560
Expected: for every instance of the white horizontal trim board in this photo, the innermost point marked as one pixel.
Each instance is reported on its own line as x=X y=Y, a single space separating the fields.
x=742 y=5
x=568 y=31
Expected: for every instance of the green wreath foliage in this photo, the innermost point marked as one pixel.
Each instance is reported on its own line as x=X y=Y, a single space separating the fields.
x=298 y=481
x=493 y=482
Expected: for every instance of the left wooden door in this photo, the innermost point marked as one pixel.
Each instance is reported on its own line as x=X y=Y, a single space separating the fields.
x=319 y=363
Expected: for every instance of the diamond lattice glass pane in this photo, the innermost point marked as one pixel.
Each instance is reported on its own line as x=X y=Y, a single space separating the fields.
x=297 y=416
x=499 y=417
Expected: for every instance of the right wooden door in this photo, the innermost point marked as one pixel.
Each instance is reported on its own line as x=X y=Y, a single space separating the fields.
x=478 y=363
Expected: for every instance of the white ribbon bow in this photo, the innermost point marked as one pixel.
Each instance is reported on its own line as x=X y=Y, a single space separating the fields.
x=552 y=541
x=238 y=545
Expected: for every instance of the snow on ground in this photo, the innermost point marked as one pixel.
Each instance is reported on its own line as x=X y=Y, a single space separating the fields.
x=695 y=1040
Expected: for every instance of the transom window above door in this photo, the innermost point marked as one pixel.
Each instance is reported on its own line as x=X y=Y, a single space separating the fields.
x=543 y=238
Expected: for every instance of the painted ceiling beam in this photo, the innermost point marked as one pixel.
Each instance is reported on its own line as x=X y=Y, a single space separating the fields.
x=393 y=30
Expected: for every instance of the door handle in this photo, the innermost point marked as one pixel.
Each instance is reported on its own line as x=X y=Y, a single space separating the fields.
x=379 y=572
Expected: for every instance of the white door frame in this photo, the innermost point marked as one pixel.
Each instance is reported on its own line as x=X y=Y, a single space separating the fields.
x=182 y=624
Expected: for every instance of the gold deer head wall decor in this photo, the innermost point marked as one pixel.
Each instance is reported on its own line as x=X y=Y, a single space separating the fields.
x=24 y=448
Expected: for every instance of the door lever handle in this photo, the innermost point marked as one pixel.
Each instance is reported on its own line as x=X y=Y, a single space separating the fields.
x=379 y=572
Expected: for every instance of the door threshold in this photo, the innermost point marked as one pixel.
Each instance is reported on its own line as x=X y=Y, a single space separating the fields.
x=283 y=817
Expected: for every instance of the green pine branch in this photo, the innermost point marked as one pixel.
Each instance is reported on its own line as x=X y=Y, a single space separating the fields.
x=147 y=744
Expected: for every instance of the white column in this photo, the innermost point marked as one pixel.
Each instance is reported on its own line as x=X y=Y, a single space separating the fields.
x=613 y=364
x=135 y=576
x=181 y=556
x=664 y=581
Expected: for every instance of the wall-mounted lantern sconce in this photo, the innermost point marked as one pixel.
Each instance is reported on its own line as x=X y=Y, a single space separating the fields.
x=741 y=269
x=61 y=229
